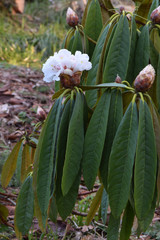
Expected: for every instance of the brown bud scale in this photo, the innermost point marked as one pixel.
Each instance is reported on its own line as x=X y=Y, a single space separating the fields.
x=68 y=81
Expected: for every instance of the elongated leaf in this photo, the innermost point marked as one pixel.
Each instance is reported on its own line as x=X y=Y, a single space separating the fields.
x=24 y=207
x=74 y=147
x=144 y=224
x=92 y=74
x=38 y=213
x=94 y=140
x=18 y=233
x=114 y=118
x=94 y=205
x=143 y=10
x=10 y=165
x=153 y=52
x=58 y=93
x=85 y=12
x=53 y=211
x=66 y=203
x=62 y=141
x=158 y=84
x=127 y=223
x=77 y=42
x=106 y=7
x=19 y=163
x=155 y=37
x=93 y=21
x=3 y=214
x=145 y=164
x=118 y=56
x=142 y=51
x=121 y=161
x=45 y=152
x=156 y=125
x=61 y=145
x=103 y=85
x=26 y=161
x=113 y=228
x=134 y=37
x=104 y=206
x=106 y=51
x=155 y=4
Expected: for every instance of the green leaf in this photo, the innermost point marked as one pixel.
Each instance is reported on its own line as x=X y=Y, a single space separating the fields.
x=61 y=149
x=93 y=23
x=74 y=147
x=153 y=52
x=121 y=161
x=127 y=223
x=114 y=118
x=45 y=149
x=118 y=55
x=142 y=51
x=53 y=211
x=143 y=10
x=144 y=223
x=24 y=206
x=9 y=166
x=19 y=162
x=26 y=161
x=134 y=37
x=85 y=12
x=145 y=163
x=58 y=93
x=106 y=9
x=77 y=42
x=158 y=84
x=62 y=142
x=155 y=38
x=156 y=125
x=94 y=140
x=92 y=74
x=104 y=206
x=66 y=203
x=104 y=85
x=3 y=214
x=113 y=228
x=94 y=205
x=155 y=4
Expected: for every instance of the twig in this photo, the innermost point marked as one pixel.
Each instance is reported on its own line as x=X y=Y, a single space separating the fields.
x=88 y=192
x=79 y=213
x=8 y=194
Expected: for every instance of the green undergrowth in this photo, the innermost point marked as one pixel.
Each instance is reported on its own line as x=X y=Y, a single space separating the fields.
x=29 y=39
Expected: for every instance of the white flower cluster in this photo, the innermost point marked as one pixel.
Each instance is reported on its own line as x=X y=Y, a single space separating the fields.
x=64 y=62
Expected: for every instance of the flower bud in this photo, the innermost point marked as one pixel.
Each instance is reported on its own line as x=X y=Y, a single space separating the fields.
x=121 y=9
x=145 y=79
x=155 y=15
x=68 y=81
x=118 y=79
x=41 y=114
x=72 y=18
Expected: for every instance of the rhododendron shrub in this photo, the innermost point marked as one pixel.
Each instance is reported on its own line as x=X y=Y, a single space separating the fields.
x=104 y=124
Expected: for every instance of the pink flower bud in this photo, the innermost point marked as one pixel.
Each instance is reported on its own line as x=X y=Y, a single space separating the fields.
x=68 y=81
x=72 y=18
x=145 y=79
x=41 y=113
x=155 y=15
x=121 y=9
x=118 y=79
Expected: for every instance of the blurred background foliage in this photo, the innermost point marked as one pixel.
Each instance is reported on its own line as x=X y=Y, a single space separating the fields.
x=28 y=39
x=34 y=30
